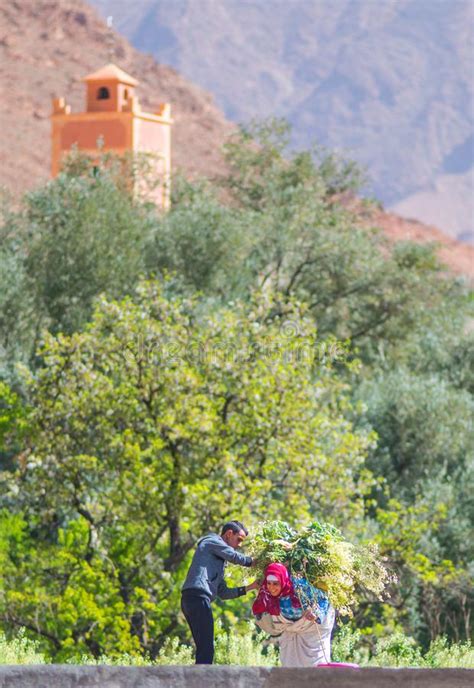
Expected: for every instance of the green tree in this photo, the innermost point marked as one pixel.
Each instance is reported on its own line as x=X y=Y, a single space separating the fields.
x=154 y=425
x=78 y=236
x=13 y=425
x=18 y=321
x=204 y=243
x=85 y=237
x=278 y=222
x=424 y=426
x=425 y=452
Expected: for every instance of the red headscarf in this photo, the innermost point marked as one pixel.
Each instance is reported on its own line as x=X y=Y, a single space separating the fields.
x=265 y=602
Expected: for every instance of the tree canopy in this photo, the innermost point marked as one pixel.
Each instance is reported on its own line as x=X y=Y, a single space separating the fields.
x=153 y=426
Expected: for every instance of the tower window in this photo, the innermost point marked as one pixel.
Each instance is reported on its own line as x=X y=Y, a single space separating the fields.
x=125 y=94
x=103 y=93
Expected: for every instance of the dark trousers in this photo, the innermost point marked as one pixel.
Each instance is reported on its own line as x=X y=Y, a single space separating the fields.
x=198 y=613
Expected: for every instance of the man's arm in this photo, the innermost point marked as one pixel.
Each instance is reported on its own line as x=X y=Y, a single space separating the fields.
x=223 y=551
x=226 y=593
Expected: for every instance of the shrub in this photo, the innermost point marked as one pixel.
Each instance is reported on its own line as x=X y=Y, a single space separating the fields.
x=19 y=650
x=443 y=654
x=251 y=648
x=346 y=646
x=397 y=650
x=247 y=649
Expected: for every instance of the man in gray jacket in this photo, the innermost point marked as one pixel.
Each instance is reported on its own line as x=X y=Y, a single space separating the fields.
x=205 y=581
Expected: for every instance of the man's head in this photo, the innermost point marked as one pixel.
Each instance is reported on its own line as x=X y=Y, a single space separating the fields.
x=234 y=533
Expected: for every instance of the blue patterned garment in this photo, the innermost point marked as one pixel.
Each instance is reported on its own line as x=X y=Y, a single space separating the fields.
x=309 y=596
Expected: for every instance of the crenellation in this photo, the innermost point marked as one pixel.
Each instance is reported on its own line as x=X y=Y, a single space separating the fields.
x=60 y=107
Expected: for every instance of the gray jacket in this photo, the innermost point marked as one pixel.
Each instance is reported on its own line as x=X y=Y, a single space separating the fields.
x=206 y=573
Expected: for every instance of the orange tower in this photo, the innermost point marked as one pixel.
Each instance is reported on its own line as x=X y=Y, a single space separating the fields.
x=114 y=120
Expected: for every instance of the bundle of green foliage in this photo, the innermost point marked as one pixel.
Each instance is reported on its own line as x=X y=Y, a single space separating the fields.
x=320 y=554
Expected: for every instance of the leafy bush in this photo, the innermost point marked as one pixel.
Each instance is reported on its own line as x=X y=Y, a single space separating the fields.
x=250 y=648
x=346 y=646
x=443 y=654
x=175 y=652
x=397 y=650
x=19 y=650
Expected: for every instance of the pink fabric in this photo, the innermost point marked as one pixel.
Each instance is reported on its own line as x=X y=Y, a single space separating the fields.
x=265 y=602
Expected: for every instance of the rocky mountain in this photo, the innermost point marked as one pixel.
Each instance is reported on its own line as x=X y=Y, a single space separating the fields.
x=388 y=81
x=47 y=46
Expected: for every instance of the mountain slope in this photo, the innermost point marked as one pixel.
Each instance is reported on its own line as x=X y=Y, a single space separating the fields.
x=390 y=81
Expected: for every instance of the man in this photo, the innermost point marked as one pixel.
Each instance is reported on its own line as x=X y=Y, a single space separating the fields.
x=205 y=581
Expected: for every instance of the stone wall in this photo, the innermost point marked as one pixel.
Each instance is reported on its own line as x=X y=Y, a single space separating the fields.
x=57 y=676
